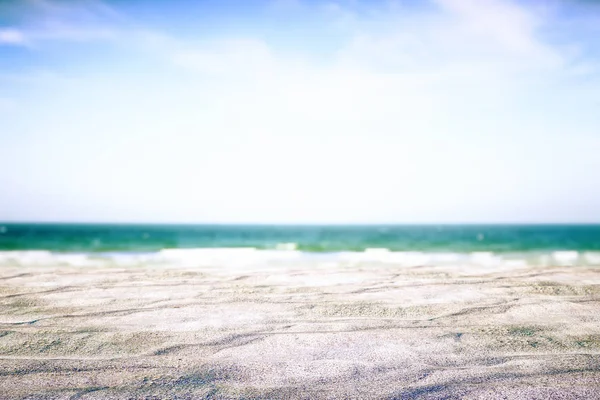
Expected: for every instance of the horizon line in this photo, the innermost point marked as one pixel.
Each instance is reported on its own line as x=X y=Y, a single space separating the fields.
x=283 y=224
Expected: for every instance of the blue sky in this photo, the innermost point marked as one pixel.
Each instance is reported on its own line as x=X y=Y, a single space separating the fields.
x=290 y=111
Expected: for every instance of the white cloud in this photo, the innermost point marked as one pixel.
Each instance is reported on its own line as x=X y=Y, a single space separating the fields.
x=229 y=56
x=66 y=32
x=478 y=37
x=503 y=25
x=502 y=22
x=387 y=77
x=396 y=73
x=81 y=21
x=12 y=37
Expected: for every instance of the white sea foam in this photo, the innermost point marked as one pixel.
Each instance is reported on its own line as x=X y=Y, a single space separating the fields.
x=485 y=258
x=208 y=256
x=415 y=258
x=288 y=254
x=591 y=257
x=26 y=256
x=43 y=257
x=286 y=246
x=565 y=257
x=224 y=256
x=125 y=259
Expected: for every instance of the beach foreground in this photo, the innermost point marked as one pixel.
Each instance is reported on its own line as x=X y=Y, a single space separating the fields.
x=299 y=330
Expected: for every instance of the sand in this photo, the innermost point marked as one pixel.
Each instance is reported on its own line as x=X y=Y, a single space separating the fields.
x=299 y=331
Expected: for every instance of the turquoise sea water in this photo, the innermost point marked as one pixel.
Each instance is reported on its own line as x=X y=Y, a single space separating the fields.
x=568 y=241
x=445 y=238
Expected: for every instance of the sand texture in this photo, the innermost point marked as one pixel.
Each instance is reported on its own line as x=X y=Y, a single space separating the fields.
x=299 y=331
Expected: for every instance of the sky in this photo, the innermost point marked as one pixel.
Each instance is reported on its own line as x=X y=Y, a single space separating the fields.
x=300 y=111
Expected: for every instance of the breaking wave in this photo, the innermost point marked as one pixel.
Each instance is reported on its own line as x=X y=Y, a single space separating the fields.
x=287 y=253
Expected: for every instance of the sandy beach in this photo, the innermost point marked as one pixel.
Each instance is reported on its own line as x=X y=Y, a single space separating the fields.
x=299 y=331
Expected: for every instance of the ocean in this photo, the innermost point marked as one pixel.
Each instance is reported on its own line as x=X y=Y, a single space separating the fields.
x=412 y=244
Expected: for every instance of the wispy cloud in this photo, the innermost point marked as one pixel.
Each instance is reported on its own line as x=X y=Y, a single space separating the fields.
x=472 y=36
x=45 y=20
x=224 y=57
x=11 y=36
x=493 y=36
